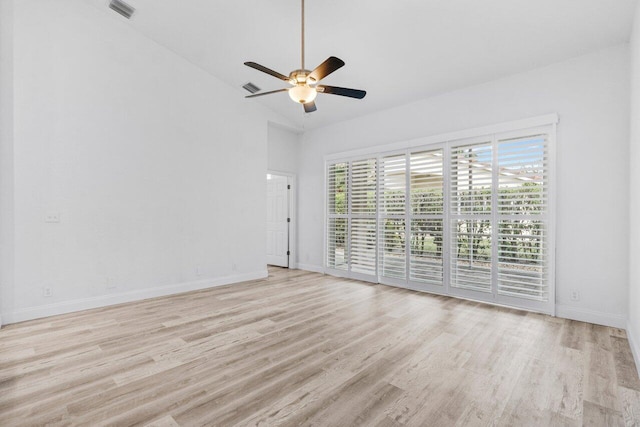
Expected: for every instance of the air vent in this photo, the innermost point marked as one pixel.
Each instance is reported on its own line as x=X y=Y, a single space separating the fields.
x=122 y=8
x=251 y=87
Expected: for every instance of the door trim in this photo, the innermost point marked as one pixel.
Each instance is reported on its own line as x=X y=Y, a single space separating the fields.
x=293 y=214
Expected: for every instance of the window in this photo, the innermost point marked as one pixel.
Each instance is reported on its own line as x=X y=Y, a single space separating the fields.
x=352 y=217
x=468 y=217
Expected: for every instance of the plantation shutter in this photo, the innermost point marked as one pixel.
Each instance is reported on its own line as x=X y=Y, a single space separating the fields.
x=393 y=183
x=523 y=166
x=470 y=216
x=363 y=230
x=427 y=217
x=337 y=221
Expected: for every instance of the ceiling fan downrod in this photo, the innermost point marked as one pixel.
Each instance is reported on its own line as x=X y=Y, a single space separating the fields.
x=302 y=32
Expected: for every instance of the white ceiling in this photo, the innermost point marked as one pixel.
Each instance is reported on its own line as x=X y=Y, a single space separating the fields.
x=397 y=50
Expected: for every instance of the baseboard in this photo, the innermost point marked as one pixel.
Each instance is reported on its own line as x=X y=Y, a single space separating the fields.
x=633 y=343
x=591 y=316
x=310 y=267
x=64 y=307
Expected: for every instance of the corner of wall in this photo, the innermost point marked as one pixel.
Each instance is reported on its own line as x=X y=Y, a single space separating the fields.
x=633 y=321
x=6 y=155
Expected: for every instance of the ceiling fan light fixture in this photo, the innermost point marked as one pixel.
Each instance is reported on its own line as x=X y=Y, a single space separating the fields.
x=302 y=93
x=305 y=83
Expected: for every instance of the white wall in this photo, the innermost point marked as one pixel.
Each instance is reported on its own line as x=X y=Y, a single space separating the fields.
x=156 y=168
x=282 y=149
x=282 y=154
x=633 y=327
x=6 y=152
x=590 y=94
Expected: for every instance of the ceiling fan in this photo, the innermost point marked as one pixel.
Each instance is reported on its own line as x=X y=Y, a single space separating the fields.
x=304 y=83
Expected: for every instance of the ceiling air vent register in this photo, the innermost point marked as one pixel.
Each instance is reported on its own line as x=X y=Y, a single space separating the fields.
x=251 y=87
x=122 y=8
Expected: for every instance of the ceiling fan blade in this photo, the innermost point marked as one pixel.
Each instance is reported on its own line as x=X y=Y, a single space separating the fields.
x=342 y=91
x=267 y=70
x=327 y=67
x=309 y=107
x=266 y=93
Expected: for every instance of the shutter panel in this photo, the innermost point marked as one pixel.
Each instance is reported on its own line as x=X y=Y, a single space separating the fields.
x=363 y=188
x=471 y=178
x=363 y=232
x=337 y=188
x=522 y=269
x=393 y=183
x=523 y=172
x=471 y=254
x=523 y=165
x=427 y=217
x=336 y=244
x=363 y=246
x=337 y=223
x=427 y=183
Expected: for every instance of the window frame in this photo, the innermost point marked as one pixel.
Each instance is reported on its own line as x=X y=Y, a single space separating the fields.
x=538 y=125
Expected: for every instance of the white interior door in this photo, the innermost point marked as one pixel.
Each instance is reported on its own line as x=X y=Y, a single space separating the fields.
x=277 y=220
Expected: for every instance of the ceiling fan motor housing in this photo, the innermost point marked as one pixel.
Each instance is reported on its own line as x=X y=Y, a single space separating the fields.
x=297 y=77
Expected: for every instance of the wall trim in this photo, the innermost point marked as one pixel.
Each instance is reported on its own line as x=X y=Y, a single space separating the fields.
x=293 y=215
x=311 y=267
x=532 y=122
x=591 y=316
x=81 y=304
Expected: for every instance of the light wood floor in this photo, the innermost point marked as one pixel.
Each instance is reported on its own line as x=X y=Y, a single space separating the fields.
x=305 y=349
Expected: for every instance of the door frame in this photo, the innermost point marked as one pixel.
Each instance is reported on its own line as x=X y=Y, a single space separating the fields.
x=292 y=208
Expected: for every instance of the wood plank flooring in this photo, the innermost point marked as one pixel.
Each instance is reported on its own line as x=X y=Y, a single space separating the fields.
x=301 y=348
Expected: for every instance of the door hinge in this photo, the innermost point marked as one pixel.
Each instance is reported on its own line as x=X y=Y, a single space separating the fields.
x=288 y=253
x=288 y=186
x=288 y=219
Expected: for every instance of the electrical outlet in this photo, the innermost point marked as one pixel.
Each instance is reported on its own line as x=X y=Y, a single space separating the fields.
x=46 y=291
x=575 y=295
x=52 y=217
